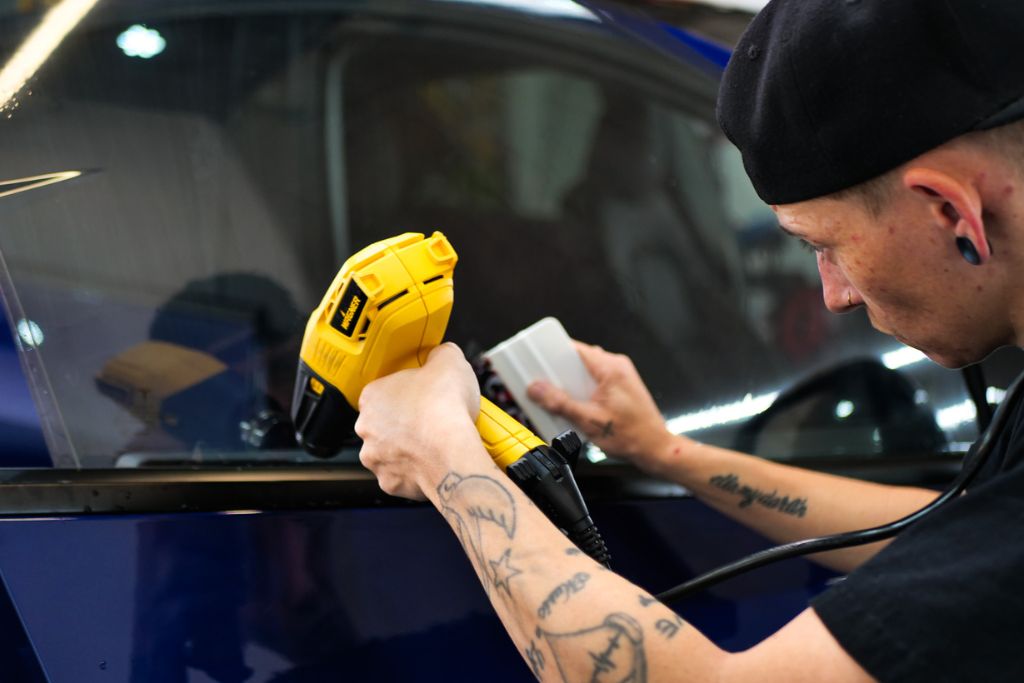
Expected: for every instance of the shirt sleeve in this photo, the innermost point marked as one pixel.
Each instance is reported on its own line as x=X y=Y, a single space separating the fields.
x=945 y=600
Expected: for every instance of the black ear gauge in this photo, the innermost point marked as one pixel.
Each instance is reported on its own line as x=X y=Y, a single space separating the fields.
x=968 y=251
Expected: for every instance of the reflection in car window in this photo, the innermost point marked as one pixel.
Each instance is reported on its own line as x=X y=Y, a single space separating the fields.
x=225 y=179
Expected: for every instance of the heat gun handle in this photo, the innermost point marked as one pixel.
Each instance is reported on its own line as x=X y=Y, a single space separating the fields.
x=504 y=438
x=543 y=473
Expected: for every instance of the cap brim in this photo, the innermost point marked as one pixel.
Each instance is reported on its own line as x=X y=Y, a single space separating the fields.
x=1008 y=114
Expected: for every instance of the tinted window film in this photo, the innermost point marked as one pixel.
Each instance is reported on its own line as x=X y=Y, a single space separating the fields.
x=160 y=284
x=628 y=217
x=180 y=214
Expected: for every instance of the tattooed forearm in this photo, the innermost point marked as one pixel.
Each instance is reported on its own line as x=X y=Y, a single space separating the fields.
x=564 y=590
x=669 y=627
x=666 y=627
x=611 y=651
x=483 y=514
x=730 y=483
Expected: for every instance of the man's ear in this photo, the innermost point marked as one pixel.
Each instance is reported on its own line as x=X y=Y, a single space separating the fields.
x=954 y=204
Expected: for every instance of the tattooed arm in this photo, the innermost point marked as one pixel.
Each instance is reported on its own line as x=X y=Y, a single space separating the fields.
x=784 y=503
x=571 y=619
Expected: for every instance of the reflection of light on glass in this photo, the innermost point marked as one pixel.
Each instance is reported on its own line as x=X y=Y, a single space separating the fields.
x=141 y=41
x=39 y=45
x=32 y=182
x=554 y=8
x=995 y=395
x=30 y=333
x=241 y=512
x=721 y=415
x=920 y=397
x=956 y=415
x=747 y=5
x=902 y=358
x=595 y=454
x=844 y=409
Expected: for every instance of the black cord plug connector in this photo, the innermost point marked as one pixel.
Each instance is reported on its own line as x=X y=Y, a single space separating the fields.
x=546 y=478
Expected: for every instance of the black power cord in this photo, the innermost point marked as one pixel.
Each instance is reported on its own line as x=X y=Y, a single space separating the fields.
x=974 y=378
x=849 y=539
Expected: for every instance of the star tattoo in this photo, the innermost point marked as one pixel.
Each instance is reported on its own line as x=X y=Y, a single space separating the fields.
x=502 y=571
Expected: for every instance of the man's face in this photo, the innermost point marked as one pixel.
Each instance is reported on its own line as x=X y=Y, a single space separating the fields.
x=902 y=266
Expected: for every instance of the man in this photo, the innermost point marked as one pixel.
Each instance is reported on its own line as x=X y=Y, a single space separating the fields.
x=886 y=134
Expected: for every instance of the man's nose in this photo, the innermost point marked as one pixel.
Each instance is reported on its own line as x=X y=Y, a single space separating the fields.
x=839 y=295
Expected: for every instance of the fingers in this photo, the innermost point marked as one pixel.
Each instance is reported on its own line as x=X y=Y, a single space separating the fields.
x=446 y=350
x=555 y=400
x=592 y=356
x=600 y=363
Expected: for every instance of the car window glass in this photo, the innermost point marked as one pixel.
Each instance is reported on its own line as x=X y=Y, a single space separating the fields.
x=202 y=200
x=630 y=219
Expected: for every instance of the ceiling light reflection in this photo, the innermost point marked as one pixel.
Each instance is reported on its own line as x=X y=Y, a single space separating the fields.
x=955 y=415
x=902 y=357
x=721 y=415
x=141 y=41
x=29 y=332
x=39 y=45
x=556 y=8
x=16 y=185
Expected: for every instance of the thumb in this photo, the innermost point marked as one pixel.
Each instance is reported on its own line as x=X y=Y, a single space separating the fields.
x=555 y=400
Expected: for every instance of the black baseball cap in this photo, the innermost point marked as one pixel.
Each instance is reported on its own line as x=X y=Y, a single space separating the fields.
x=821 y=95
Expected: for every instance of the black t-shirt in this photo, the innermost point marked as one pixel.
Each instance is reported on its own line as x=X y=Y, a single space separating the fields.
x=945 y=600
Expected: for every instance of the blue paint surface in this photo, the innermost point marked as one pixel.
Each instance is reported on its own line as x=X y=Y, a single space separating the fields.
x=365 y=594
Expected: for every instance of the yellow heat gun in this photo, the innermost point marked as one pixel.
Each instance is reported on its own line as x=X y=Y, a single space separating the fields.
x=386 y=309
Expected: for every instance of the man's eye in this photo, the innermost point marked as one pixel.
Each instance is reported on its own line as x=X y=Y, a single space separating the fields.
x=810 y=247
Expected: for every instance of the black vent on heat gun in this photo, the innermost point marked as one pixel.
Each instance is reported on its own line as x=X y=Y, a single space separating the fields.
x=392 y=299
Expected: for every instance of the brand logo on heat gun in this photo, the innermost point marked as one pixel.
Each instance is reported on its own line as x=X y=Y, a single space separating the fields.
x=350 y=312
x=349 y=309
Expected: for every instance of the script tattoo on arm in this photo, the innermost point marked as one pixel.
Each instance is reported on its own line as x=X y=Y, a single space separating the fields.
x=730 y=483
x=564 y=590
x=483 y=513
x=614 y=651
x=535 y=658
